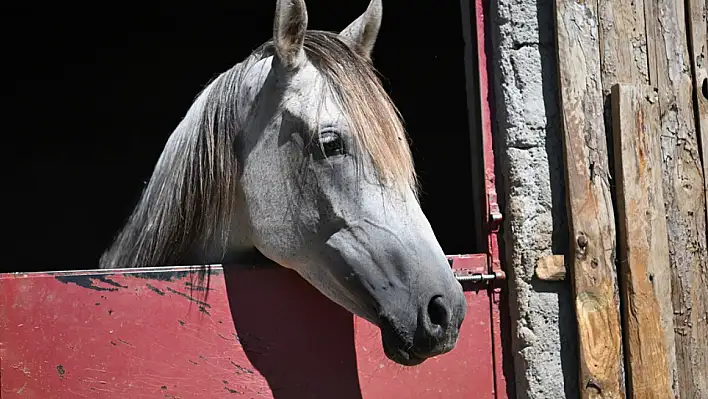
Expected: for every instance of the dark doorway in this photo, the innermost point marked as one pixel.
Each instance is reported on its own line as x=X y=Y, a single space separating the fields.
x=93 y=91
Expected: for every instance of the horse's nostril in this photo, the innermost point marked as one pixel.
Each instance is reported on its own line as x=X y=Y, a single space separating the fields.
x=438 y=311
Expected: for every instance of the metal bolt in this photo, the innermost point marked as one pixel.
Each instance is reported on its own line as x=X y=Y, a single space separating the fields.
x=582 y=240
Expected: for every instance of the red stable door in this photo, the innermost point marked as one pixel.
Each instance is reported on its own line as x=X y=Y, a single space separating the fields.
x=260 y=333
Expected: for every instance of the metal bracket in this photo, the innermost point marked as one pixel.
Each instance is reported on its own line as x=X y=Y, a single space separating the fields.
x=495 y=215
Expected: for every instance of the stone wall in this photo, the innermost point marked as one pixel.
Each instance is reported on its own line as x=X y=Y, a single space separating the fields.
x=531 y=186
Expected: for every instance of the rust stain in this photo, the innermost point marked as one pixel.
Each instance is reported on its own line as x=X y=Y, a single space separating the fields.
x=641 y=141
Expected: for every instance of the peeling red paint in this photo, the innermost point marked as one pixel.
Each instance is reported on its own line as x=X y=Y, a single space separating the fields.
x=267 y=334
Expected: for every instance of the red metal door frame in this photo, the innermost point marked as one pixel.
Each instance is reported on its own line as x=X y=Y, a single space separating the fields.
x=494 y=215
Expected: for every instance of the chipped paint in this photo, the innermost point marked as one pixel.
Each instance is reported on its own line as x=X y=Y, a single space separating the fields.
x=285 y=325
x=155 y=289
x=182 y=294
x=87 y=281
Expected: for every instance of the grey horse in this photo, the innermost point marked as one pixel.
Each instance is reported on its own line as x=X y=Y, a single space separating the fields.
x=298 y=155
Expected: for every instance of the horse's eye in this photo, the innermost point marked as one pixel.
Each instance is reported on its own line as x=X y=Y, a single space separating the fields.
x=331 y=144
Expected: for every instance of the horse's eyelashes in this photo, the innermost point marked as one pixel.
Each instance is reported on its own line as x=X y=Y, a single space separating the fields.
x=331 y=144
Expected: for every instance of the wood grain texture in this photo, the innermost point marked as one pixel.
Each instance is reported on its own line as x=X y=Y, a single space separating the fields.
x=698 y=46
x=684 y=190
x=698 y=350
x=623 y=51
x=643 y=242
x=623 y=43
x=551 y=268
x=590 y=210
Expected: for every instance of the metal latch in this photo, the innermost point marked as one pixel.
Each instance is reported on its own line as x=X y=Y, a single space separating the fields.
x=464 y=275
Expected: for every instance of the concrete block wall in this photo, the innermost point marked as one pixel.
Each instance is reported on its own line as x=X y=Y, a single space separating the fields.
x=531 y=186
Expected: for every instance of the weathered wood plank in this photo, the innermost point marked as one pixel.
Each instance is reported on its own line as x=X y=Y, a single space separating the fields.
x=590 y=211
x=684 y=190
x=643 y=241
x=623 y=43
x=551 y=268
x=623 y=52
x=698 y=46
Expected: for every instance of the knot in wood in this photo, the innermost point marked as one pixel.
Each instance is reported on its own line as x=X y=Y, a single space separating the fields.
x=592 y=384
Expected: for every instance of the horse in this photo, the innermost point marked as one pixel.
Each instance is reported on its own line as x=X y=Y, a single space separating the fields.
x=298 y=155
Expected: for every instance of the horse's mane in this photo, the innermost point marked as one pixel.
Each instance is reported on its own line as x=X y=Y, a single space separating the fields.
x=187 y=204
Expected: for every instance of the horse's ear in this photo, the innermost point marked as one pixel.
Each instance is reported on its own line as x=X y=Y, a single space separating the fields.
x=364 y=30
x=289 y=32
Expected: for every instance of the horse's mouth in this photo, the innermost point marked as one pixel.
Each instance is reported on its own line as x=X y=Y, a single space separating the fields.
x=402 y=356
x=404 y=351
x=399 y=350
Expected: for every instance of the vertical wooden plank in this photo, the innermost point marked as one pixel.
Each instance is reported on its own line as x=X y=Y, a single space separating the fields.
x=684 y=190
x=643 y=240
x=698 y=46
x=623 y=52
x=590 y=211
x=623 y=43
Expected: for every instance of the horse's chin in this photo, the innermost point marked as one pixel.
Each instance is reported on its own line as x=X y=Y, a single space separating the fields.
x=401 y=356
x=398 y=350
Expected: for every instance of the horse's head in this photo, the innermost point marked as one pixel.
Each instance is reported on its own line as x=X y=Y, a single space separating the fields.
x=329 y=187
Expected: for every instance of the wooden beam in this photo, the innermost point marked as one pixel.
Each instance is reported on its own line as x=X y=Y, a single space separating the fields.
x=551 y=268
x=590 y=211
x=643 y=241
x=684 y=188
x=698 y=46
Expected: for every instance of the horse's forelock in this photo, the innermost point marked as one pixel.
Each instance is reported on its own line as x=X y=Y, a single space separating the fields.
x=376 y=123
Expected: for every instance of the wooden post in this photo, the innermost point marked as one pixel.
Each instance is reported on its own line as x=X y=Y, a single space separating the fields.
x=643 y=241
x=590 y=210
x=698 y=46
x=684 y=189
